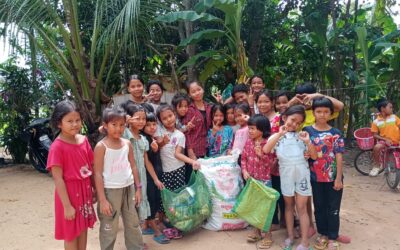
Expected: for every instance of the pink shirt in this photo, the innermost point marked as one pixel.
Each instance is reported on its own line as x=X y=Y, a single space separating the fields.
x=257 y=166
x=241 y=136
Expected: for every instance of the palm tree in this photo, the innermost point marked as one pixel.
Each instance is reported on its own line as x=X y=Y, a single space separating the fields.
x=55 y=30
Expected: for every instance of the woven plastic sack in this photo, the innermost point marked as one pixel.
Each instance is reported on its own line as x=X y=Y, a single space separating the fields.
x=224 y=178
x=189 y=206
x=256 y=204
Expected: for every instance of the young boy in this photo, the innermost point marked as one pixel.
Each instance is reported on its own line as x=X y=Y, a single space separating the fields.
x=386 y=130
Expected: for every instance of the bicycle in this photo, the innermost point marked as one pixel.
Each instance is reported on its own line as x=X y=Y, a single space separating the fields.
x=364 y=159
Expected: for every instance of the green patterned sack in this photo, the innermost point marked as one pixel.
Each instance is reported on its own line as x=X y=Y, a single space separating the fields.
x=189 y=206
x=256 y=204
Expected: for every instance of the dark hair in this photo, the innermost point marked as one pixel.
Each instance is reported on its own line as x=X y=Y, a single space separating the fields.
x=148 y=107
x=261 y=123
x=292 y=110
x=110 y=114
x=265 y=92
x=178 y=98
x=151 y=117
x=382 y=103
x=190 y=83
x=256 y=76
x=131 y=108
x=162 y=108
x=322 y=102
x=154 y=82
x=243 y=107
x=215 y=108
x=62 y=109
x=135 y=77
x=282 y=93
x=239 y=88
x=306 y=88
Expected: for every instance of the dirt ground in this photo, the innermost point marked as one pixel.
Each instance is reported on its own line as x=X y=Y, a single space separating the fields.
x=370 y=215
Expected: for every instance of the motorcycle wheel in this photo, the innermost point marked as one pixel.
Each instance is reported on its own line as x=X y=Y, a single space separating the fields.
x=36 y=163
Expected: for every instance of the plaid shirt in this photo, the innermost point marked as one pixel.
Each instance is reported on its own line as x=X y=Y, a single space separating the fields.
x=258 y=167
x=196 y=138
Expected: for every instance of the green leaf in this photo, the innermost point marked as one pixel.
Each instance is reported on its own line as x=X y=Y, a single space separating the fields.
x=210 y=54
x=362 y=41
x=210 y=68
x=187 y=15
x=207 y=34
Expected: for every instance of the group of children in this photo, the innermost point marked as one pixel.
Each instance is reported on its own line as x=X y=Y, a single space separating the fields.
x=284 y=142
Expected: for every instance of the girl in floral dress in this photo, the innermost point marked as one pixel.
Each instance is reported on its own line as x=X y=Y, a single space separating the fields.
x=219 y=137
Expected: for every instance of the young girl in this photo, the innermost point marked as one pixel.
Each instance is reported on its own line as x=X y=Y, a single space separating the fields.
x=290 y=147
x=136 y=121
x=172 y=157
x=242 y=114
x=219 y=137
x=180 y=103
x=199 y=114
x=153 y=193
x=115 y=176
x=256 y=86
x=230 y=116
x=136 y=88
x=282 y=101
x=265 y=105
x=326 y=174
x=155 y=90
x=70 y=161
x=257 y=165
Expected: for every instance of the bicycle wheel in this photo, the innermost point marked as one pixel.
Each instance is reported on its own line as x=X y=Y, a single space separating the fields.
x=392 y=173
x=363 y=162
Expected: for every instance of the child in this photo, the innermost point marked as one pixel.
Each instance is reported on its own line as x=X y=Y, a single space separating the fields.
x=256 y=86
x=136 y=120
x=242 y=114
x=153 y=193
x=199 y=114
x=282 y=101
x=136 y=88
x=386 y=131
x=172 y=157
x=70 y=161
x=180 y=103
x=257 y=165
x=115 y=176
x=265 y=105
x=155 y=90
x=326 y=174
x=290 y=147
x=230 y=116
x=240 y=93
x=219 y=137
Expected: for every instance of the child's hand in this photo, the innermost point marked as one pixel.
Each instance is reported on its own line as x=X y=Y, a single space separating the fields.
x=304 y=136
x=106 y=208
x=154 y=145
x=246 y=117
x=69 y=212
x=246 y=175
x=338 y=184
x=149 y=96
x=307 y=155
x=190 y=124
x=250 y=97
x=138 y=196
x=94 y=196
x=166 y=139
x=102 y=130
x=217 y=96
x=159 y=184
x=388 y=142
x=282 y=130
x=196 y=165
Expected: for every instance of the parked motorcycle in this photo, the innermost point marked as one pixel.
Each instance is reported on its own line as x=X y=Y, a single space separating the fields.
x=39 y=137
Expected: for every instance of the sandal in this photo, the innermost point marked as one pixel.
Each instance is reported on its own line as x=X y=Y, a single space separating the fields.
x=161 y=239
x=287 y=244
x=148 y=231
x=265 y=243
x=176 y=234
x=333 y=245
x=253 y=237
x=321 y=242
x=301 y=247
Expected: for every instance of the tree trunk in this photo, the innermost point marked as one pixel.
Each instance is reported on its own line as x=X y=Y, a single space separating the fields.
x=257 y=10
x=190 y=49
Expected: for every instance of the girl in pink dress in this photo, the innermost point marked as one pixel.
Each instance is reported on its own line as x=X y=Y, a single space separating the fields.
x=70 y=161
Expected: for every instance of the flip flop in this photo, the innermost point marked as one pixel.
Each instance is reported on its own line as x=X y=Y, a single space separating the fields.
x=176 y=233
x=148 y=231
x=161 y=239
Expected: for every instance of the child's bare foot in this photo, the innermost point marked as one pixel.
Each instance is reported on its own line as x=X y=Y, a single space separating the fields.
x=275 y=227
x=344 y=239
x=311 y=232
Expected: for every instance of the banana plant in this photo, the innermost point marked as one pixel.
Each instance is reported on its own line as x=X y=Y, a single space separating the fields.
x=234 y=53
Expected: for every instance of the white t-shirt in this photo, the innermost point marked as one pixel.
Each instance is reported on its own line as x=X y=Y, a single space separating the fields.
x=167 y=152
x=290 y=149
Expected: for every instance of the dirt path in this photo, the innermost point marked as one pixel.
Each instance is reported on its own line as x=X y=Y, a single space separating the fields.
x=370 y=215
